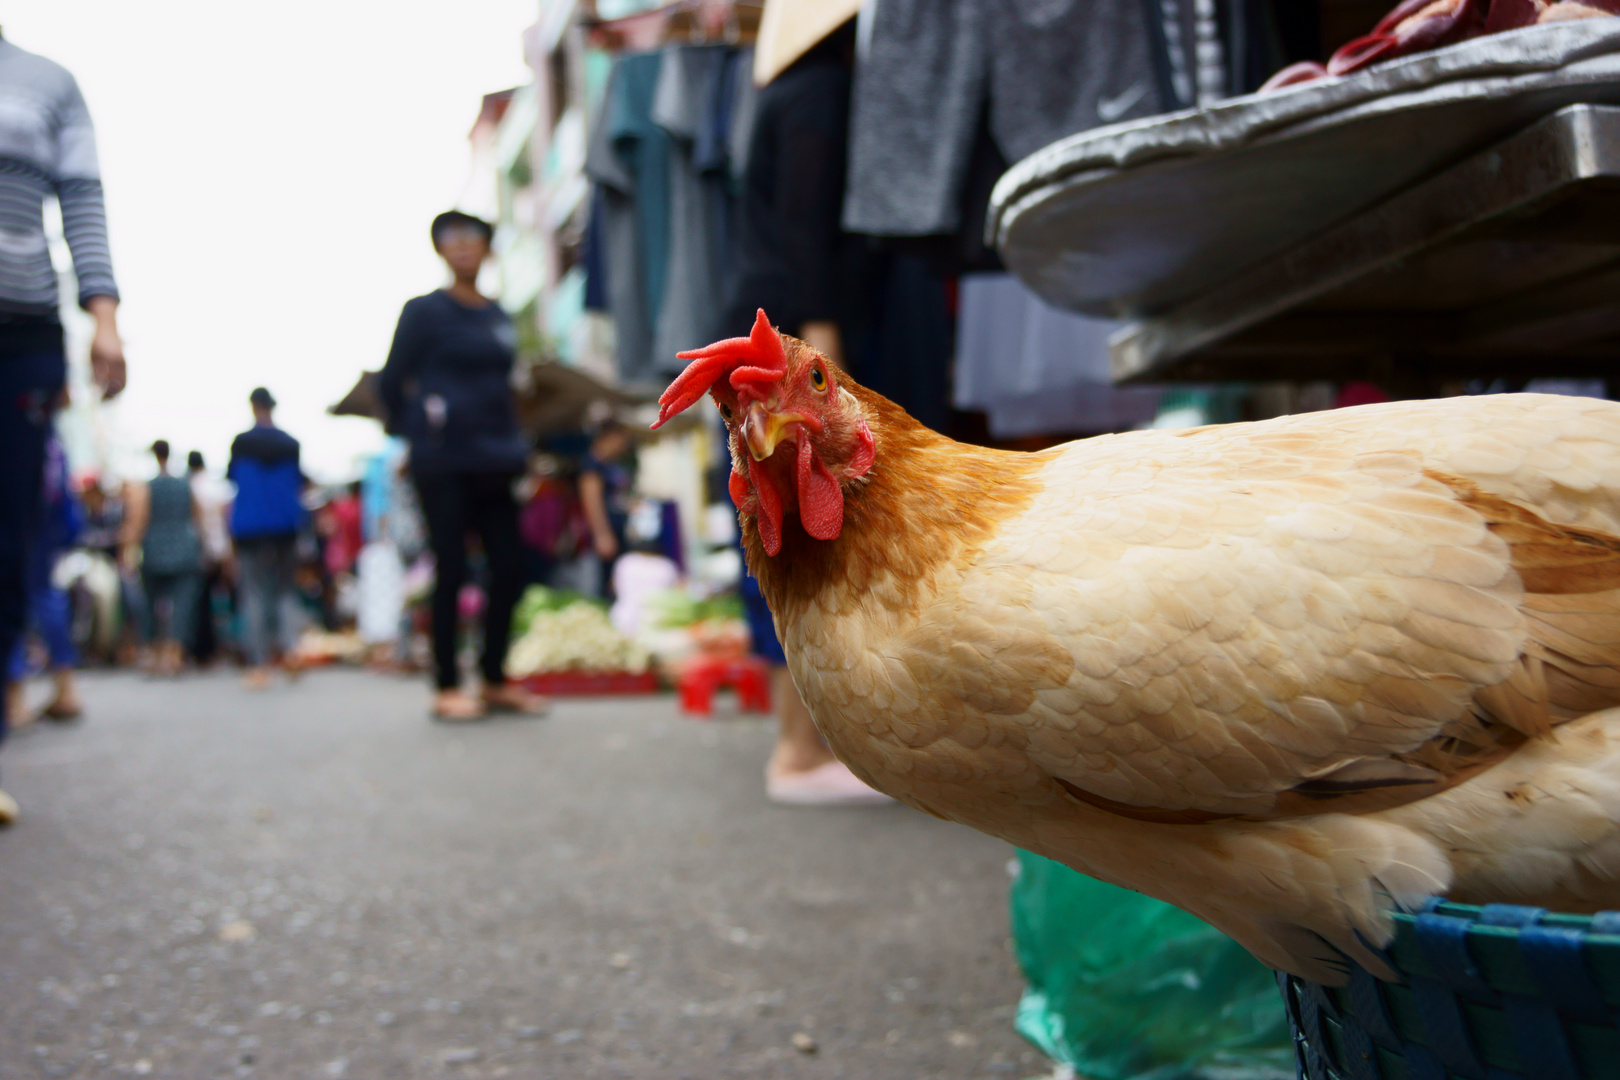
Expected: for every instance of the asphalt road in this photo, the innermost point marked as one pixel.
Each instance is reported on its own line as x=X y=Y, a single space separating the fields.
x=318 y=882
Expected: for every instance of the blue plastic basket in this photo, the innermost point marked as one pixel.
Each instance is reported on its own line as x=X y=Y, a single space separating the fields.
x=1493 y=993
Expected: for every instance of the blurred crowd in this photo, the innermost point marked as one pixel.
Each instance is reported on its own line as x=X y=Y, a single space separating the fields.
x=422 y=558
x=164 y=574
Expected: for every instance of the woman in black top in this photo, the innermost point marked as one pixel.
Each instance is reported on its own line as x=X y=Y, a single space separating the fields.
x=447 y=387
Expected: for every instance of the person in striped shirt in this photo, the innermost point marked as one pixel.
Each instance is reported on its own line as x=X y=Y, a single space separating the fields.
x=47 y=149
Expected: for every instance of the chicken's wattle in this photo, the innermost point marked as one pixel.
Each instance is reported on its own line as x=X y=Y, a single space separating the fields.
x=821 y=500
x=767 y=504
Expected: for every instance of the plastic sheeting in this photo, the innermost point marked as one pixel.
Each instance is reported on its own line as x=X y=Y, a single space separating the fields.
x=1125 y=987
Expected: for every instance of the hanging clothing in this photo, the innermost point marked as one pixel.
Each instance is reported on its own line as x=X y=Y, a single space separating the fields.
x=1034 y=369
x=689 y=315
x=915 y=103
x=593 y=252
x=904 y=348
x=727 y=104
x=789 y=254
x=628 y=159
x=744 y=107
x=793 y=259
x=928 y=68
x=718 y=154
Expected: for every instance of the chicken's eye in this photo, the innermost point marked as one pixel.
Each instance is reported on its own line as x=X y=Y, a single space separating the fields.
x=725 y=412
x=817 y=379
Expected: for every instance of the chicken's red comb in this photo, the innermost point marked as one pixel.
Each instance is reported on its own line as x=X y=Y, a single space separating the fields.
x=757 y=358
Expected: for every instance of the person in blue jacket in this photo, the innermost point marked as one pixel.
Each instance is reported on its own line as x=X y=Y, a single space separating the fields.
x=265 y=518
x=447 y=387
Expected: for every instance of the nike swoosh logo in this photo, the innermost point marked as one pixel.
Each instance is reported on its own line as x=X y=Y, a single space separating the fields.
x=1110 y=109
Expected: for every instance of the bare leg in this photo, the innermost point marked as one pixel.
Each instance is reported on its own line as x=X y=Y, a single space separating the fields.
x=798 y=744
x=65 y=705
x=16 y=705
x=171 y=657
x=802 y=771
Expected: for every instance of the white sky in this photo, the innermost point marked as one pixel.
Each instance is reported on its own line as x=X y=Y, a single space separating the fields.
x=271 y=170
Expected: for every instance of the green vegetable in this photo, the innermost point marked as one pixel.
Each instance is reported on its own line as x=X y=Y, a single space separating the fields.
x=671 y=609
x=538 y=598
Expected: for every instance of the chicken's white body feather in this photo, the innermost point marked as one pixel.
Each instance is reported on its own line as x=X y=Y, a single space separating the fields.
x=1273 y=673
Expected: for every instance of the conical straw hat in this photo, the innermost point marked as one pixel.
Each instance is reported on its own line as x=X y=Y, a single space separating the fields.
x=790 y=28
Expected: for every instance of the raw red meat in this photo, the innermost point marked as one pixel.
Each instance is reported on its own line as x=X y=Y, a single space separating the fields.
x=1416 y=26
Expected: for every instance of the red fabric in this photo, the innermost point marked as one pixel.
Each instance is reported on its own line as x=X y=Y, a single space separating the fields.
x=343 y=546
x=1408 y=30
x=552 y=522
x=1303 y=72
x=1352 y=394
x=1416 y=26
x=1511 y=14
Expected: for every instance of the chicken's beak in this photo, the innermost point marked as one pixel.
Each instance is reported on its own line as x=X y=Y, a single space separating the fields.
x=762 y=429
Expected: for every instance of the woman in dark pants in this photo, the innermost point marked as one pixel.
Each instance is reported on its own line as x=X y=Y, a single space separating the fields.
x=447 y=387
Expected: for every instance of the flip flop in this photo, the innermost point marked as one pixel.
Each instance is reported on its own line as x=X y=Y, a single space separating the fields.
x=474 y=711
x=831 y=784
x=532 y=705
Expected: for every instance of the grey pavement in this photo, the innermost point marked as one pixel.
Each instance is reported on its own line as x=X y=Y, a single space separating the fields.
x=318 y=882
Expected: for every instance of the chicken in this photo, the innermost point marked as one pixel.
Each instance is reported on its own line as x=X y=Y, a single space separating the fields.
x=1281 y=674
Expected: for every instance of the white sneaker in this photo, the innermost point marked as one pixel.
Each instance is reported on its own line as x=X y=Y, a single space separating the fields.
x=8 y=810
x=831 y=784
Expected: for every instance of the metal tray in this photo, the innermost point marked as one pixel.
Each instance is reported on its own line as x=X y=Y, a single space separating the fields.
x=1506 y=264
x=1133 y=219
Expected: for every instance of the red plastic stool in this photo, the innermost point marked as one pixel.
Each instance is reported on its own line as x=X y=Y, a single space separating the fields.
x=748 y=675
x=752 y=678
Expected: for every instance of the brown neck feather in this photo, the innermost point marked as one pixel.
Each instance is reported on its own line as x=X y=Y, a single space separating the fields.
x=926 y=500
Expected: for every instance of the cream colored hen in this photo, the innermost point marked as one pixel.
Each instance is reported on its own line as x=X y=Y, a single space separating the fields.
x=1276 y=673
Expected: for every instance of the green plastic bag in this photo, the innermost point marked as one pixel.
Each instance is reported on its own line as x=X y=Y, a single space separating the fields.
x=1125 y=987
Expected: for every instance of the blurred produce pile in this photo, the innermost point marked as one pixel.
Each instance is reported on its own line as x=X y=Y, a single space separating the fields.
x=557 y=630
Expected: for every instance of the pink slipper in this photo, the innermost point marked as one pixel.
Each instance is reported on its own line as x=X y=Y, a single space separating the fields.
x=831 y=784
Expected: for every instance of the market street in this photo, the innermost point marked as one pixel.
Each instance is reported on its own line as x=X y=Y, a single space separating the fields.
x=316 y=881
